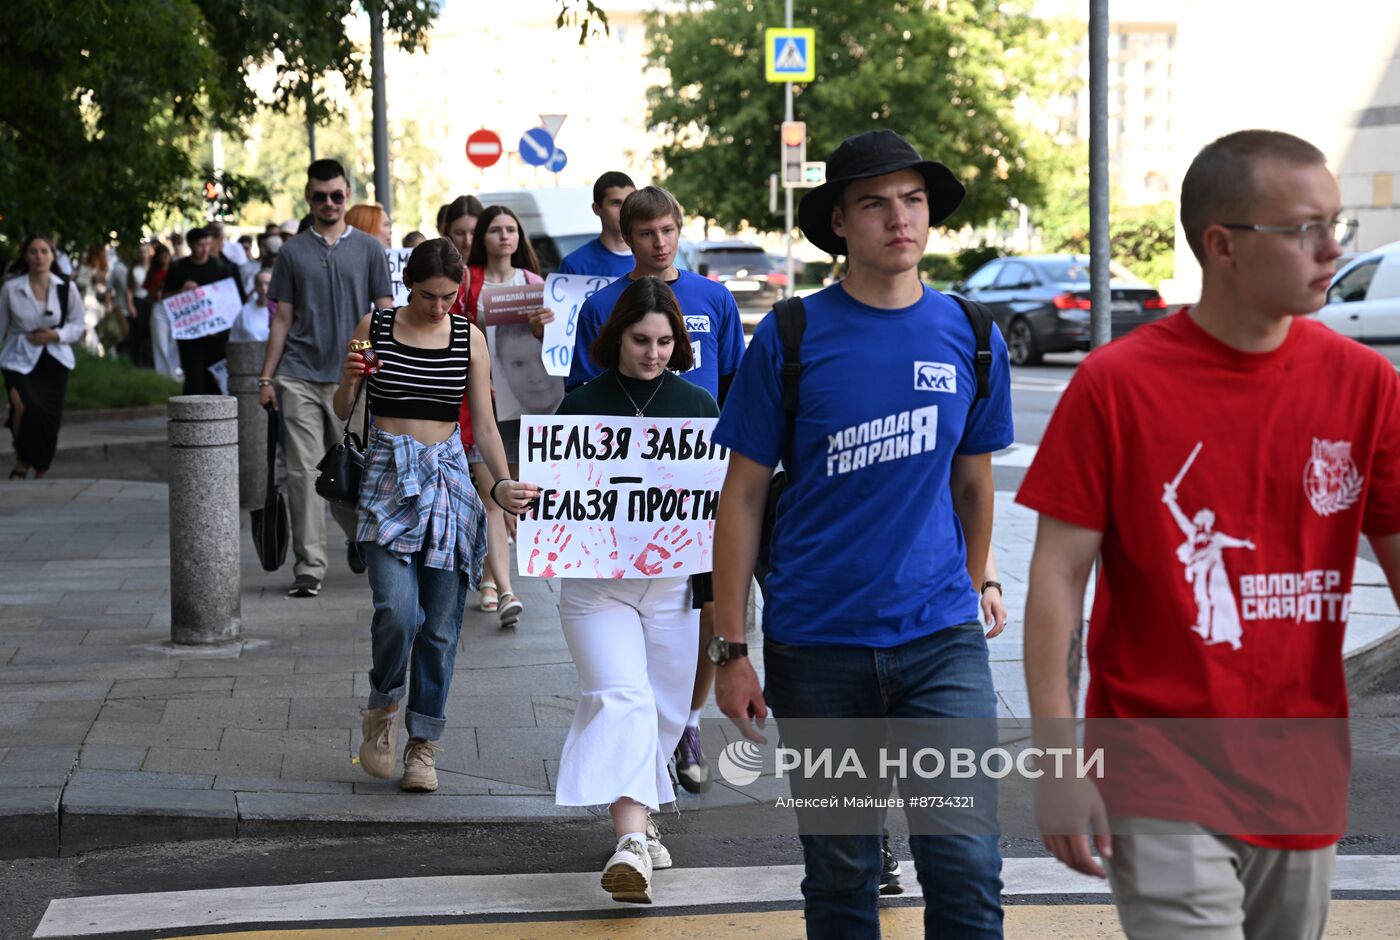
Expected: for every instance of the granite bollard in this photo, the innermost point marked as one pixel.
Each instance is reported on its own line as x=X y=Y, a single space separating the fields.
x=244 y=363
x=204 y=537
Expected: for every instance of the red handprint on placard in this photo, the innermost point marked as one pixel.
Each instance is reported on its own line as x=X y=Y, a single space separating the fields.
x=557 y=541
x=675 y=540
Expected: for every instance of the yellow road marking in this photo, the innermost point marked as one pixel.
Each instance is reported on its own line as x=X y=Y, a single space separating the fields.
x=1353 y=920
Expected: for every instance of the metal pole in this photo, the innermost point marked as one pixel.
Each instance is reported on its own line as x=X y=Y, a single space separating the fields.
x=1101 y=316
x=787 y=191
x=382 y=190
x=310 y=122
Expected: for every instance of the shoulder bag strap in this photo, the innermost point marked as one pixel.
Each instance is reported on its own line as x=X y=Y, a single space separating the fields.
x=360 y=387
x=273 y=438
x=63 y=291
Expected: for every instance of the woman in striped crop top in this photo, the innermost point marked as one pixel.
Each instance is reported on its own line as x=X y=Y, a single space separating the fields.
x=422 y=526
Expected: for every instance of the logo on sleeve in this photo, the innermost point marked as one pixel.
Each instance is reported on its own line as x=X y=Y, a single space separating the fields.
x=936 y=377
x=1331 y=478
x=697 y=324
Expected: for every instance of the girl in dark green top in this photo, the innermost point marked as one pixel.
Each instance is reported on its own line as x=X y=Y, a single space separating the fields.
x=634 y=641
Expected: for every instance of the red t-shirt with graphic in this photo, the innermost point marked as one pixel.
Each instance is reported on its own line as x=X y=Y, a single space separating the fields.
x=1231 y=489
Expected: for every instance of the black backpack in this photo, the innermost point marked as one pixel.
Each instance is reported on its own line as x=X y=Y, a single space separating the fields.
x=792 y=323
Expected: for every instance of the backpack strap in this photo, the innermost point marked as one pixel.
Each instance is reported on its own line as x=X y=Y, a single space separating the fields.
x=980 y=316
x=792 y=323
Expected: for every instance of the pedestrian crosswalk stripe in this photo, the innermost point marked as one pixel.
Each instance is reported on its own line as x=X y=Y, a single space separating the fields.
x=478 y=895
x=1062 y=921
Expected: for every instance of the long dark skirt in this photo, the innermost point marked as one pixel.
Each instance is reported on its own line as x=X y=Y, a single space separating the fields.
x=41 y=392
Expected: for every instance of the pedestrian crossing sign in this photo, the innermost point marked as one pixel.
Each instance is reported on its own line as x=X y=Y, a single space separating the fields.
x=789 y=54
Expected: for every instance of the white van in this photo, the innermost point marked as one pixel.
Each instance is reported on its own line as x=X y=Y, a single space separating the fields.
x=557 y=220
x=1364 y=299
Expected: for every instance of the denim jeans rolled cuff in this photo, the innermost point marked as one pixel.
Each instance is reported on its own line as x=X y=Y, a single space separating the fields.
x=424 y=726
x=378 y=699
x=418 y=726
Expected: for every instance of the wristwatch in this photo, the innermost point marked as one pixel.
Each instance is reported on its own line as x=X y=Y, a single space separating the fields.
x=720 y=651
x=991 y=584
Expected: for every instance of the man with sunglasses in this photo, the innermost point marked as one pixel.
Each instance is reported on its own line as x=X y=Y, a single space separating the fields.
x=1220 y=465
x=324 y=280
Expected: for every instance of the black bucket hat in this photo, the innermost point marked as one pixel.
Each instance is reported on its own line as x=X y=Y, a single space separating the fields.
x=874 y=153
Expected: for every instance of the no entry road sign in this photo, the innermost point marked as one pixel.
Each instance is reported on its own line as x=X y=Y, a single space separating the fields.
x=484 y=148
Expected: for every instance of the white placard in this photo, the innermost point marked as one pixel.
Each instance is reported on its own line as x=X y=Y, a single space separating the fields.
x=620 y=497
x=565 y=294
x=205 y=310
x=219 y=371
x=397 y=258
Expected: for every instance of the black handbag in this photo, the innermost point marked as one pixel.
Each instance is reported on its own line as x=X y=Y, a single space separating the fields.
x=272 y=525
x=340 y=470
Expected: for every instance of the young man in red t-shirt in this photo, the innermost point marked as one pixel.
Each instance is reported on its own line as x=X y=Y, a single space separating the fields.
x=1221 y=465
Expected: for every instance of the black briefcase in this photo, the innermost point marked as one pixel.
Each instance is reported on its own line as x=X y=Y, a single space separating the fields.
x=272 y=524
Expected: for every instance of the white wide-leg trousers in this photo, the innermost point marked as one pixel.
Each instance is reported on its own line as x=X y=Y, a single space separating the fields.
x=634 y=643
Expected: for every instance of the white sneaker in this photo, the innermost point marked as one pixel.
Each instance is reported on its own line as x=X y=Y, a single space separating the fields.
x=660 y=855
x=627 y=876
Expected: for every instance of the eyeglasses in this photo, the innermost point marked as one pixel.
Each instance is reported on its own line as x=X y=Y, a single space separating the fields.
x=337 y=197
x=1310 y=236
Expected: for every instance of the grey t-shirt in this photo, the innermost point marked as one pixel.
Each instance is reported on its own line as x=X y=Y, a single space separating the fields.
x=331 y=288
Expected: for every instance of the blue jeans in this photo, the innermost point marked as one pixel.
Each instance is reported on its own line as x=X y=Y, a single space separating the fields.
x=941 y=676
x=417 y=619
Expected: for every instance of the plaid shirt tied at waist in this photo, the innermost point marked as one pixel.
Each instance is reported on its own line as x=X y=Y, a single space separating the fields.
x=417 y=497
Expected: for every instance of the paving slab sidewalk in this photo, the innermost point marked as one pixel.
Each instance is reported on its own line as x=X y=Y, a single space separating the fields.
x=110 y=736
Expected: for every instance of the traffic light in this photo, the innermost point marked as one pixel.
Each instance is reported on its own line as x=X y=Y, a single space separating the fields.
x=794 y=139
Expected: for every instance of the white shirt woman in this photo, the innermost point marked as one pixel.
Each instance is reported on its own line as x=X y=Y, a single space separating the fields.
x=41 y=317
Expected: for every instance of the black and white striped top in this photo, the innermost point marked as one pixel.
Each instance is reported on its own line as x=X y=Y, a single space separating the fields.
x=413 y=382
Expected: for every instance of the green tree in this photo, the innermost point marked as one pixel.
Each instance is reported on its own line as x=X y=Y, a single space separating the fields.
x=103 y=102
x=945 y=73
x=1142 y=238
x=274 y=151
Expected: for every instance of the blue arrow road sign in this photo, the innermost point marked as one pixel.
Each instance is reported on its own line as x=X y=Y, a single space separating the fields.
x=558 y=161
x=536 y=146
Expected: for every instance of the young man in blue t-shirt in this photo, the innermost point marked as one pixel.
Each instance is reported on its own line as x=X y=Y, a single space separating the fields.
x=607 y=254
x=881 y=540
x=651 y=222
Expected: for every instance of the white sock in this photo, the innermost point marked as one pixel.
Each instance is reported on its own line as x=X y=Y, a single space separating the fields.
x=639 y=836
x=694 y=721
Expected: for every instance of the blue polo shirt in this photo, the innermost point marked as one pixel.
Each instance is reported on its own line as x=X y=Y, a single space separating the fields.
x=711 y=320
x=867 y=550
x=597 y=258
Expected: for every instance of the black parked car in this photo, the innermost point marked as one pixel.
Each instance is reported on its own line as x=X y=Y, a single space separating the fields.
x=1042 y=303
x=744 y=268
